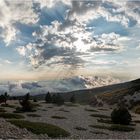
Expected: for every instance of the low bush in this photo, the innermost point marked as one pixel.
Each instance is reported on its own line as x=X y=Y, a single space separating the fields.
x=121 y=116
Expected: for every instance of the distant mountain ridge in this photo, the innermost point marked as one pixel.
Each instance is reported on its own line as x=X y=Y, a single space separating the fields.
x=110 y=94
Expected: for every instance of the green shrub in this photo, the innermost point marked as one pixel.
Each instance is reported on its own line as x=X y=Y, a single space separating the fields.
x=41 y=128
x=121 y=116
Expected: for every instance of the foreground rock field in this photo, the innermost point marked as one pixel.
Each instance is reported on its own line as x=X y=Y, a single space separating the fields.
x=74 y=118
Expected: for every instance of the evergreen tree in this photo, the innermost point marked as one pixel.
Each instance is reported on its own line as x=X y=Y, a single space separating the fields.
x=25 y=103
x=72 y=99
x=57 y=99
x=48 y=98
x=6 y=97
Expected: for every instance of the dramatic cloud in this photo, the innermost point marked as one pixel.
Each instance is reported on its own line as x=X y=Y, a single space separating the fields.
x=62 y=85
x=12 y=12
x=68 y=34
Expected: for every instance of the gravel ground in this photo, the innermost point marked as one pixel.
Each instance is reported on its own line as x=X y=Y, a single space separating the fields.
x=75 y=117
x=9 y=131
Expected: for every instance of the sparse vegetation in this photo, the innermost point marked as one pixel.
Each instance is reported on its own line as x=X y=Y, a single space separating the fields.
x=58 y=117
x=33 y=115
x=7 y=105
x=11 y=116
x=50 y=106
x=105 y=121
x=71 y=105
x=90 y=110
x=34 y=100
x=114 y=127
x=63 y=110
x=100 y=116
x=121 y=115
x=80 y=128
x=98 y=132
x=104 y=109
x=136 y=121
x=41 y=128
x=2 y=110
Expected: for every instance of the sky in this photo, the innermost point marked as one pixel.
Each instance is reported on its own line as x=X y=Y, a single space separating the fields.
x=53 y=39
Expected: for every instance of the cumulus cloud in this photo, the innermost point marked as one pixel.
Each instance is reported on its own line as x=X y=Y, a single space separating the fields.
x=12 y=12
x=65 y=42
x=61 y=85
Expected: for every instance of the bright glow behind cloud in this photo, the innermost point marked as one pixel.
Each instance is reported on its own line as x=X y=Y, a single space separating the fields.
x=69 y=34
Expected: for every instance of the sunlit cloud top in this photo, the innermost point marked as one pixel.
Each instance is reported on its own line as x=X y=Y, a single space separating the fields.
x=42 y=39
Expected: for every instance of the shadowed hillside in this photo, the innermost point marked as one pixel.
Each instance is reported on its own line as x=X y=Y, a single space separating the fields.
x=110 y=94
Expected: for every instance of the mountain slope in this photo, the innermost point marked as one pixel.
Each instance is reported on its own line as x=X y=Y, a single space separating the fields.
x=109 y=94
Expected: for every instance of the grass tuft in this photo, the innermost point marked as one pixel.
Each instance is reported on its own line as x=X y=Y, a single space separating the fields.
x=99 y=115
x=63 y=110
x=114 y=127
x=90 y=110
x=80 y=128
x=7 y=105
x=11 y=116
x=98 y=132
x=71 y=105
x=2 y=110
x=41 y=128
x=33 y=115
x=58 y=117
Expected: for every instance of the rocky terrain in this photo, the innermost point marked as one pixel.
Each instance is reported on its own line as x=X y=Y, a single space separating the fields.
x=75 y=118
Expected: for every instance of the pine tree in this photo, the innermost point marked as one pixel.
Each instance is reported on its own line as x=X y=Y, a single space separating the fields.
x=72 y=99
x=26 y=104
x=48 y=98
